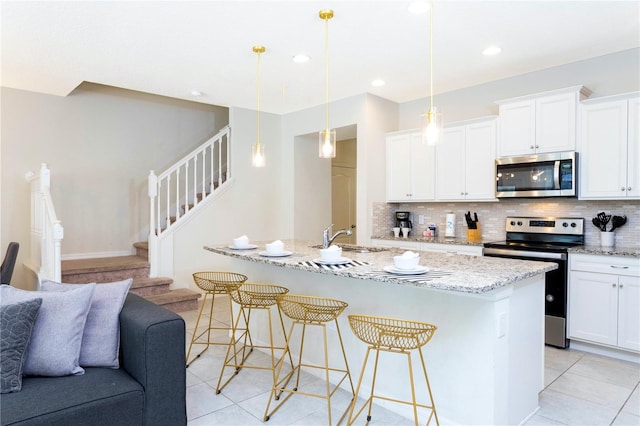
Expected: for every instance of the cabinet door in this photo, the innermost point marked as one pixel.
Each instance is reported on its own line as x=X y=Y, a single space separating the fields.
x=422 y=169
x=398 y=170
x=450 y=165
x=556 y=123
x=633 y=149
x=603 y=155
x=480 y=157
x=593 y=307
x=517 y=128
x=629 y=312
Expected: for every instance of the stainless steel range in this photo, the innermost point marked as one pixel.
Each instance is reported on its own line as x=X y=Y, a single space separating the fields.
x=544 y=239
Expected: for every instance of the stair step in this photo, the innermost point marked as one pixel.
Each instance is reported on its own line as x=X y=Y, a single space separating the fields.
x=142 y=249
x=178 y=300
x=104 y=269
x=150 y=286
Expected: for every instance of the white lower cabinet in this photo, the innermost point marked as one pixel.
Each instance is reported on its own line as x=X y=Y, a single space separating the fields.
x=604 y=300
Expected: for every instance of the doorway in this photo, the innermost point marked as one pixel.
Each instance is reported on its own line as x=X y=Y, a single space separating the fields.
x=343 y=185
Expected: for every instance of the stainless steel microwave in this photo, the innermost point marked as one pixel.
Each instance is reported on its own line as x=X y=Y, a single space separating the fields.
x=544 y=175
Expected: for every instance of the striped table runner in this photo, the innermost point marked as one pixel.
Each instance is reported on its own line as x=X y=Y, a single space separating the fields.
x=333 y=267
x=423 y=278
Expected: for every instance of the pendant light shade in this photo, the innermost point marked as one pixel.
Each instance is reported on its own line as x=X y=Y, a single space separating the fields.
x=257 y=151
x=326 y=137
x=432 y=126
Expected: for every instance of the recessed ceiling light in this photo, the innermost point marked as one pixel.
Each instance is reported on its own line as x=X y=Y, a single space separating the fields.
x=491 y=50
x=378 y=82
x=300 y=59
x=418 y=7
x=196 y=93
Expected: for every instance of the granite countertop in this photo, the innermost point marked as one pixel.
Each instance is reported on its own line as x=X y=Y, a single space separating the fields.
x=608 y=251
x=459 y=273
x=436 y=240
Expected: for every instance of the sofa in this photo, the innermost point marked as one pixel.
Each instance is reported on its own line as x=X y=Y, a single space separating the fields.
x=149 y=388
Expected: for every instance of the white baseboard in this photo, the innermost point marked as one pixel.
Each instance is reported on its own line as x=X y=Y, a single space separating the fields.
x=606 y=351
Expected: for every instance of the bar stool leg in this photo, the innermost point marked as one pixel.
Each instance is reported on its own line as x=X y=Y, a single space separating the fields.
x=413 y=389
x=195 y=337
x=233 y=345
x=426 y=378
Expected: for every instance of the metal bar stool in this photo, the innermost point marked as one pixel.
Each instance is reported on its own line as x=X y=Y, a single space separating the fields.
x=309 y=311
x=395 y=336
x=251 y=296
x=213 y=283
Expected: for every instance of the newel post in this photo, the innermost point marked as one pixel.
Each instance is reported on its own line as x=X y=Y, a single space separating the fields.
x=153 y=256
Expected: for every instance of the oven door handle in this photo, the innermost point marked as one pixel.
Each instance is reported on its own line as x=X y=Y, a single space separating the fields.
x=523 y=253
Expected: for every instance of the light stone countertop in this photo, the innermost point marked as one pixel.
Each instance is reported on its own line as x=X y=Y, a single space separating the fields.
x=610 y=251
x=435 y=240
x=452 y=272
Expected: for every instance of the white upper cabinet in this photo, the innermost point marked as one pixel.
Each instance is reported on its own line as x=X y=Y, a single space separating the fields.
x=410 y=167
x=465 y=161
x=609 y=148
x=541 y=123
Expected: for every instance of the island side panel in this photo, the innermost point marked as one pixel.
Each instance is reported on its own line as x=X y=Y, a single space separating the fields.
x=469 y=365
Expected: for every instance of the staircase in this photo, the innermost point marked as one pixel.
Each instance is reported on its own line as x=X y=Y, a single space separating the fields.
x=108 y=269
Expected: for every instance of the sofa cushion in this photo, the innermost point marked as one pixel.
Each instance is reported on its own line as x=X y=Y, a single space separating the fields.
x=101 y=337
x=54 y=349
x=102 y=396
x=16 y=326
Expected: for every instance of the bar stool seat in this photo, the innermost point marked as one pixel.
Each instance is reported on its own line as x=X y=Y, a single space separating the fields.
x=251 y=296
x=395 y=336
x=212 y=283
x=306 y=311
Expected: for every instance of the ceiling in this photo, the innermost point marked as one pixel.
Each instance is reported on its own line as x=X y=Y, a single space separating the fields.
x=172 y=48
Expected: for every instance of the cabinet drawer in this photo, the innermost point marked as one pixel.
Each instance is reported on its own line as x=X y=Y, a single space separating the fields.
x=605 y=264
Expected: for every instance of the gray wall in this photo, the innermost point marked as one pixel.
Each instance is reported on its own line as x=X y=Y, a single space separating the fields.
x=100 y=143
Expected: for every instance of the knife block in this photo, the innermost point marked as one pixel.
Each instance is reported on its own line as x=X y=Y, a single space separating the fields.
x=474 y=235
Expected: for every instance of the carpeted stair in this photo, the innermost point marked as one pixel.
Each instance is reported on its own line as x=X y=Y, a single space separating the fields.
x=108 y=269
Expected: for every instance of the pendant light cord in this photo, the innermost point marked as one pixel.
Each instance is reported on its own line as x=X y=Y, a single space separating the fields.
x=258 y=97
x=431 y=55
x=326 y=73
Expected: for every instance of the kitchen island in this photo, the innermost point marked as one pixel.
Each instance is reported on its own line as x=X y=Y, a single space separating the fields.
x=486 y=359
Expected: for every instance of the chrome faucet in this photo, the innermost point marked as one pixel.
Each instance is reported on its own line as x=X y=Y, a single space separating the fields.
x=326 y=240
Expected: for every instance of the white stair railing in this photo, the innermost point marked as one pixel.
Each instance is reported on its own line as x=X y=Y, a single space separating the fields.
x=176 y=192
x=46 y=230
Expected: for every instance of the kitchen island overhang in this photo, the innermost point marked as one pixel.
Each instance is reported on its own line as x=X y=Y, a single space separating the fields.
x=485 y=361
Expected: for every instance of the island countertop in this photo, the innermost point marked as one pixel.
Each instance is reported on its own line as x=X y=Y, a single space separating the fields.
x=460 y=273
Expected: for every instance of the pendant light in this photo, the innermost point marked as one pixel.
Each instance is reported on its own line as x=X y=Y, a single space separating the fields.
x=257 y=152
x=326 y=137
x=432 y=131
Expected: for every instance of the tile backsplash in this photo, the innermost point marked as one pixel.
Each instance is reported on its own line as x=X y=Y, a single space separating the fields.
x=492 y=216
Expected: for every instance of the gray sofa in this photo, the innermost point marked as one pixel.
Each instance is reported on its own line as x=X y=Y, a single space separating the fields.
x=149 y=388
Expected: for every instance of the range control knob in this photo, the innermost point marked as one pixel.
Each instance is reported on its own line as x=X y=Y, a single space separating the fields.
x=519 y=223
x=512 y=223
x=565 y=224
x=573 y=224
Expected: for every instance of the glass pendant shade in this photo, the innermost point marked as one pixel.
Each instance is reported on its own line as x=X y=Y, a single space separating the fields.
x=257 y=155
x=327 y=143
x=432 y=128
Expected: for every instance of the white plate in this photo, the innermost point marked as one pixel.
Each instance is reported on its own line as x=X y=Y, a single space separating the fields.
x=281 y=254
x=249 y=247
x=417 y=271
x=340 y=261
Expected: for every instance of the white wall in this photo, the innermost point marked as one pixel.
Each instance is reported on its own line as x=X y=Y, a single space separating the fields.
x=604 y=75
x=100 y=143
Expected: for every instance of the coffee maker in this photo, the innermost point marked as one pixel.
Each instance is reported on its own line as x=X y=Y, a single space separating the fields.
x=403 y=220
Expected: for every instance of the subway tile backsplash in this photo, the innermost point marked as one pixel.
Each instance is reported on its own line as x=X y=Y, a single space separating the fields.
x=492 y=216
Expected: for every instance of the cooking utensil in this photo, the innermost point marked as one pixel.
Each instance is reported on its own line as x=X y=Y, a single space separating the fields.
x=597 y=223
x=617 y=222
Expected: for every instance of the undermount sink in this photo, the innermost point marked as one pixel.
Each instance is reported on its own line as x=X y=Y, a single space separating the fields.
x=357 y=249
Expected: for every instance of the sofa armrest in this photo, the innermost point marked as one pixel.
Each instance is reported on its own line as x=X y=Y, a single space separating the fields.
x=152 y=342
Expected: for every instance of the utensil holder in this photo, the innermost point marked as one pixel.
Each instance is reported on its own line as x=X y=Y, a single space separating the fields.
x=607 y=239
x=474 y=235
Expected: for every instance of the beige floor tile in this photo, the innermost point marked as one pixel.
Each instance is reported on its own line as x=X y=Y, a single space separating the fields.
x=551 y=374
x=232 y=415
x=574 y=411
x=538 y=420
x=202 y=400
x=606 y=394
x=621 y=373
x=626 y=419
x=632 y=406
x=560 y=359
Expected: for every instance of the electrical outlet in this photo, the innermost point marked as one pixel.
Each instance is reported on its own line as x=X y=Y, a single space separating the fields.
x=421 y=219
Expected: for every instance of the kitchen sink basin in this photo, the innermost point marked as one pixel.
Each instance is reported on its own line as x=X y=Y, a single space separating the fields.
x=356 y=249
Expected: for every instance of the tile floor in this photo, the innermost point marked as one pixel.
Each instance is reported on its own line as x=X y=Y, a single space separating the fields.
x=580 y=389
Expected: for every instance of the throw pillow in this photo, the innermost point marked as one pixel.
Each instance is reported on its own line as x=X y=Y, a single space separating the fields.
x=101 y=338
x=16 y=325
x=57 y=335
